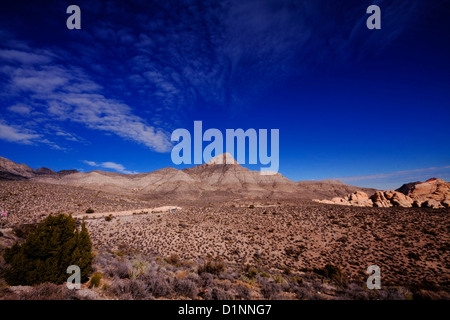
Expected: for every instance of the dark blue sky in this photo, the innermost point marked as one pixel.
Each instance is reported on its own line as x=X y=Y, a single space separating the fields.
x=370 y=107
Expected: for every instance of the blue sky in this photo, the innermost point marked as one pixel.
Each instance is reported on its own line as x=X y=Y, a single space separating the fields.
x=369 y=107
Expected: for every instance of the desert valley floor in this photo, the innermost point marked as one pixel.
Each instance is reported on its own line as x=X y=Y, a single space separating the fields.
x=410 y=245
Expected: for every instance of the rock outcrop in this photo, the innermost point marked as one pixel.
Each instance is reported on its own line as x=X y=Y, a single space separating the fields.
x=379 y=200
x=433 y=193
x=398 y=199
x=358 y=199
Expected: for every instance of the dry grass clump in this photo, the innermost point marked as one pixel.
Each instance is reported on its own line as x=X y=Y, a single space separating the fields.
x=95 y=280
x=213 y=266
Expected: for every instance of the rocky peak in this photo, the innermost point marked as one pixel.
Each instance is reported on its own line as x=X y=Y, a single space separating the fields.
x=224 y=158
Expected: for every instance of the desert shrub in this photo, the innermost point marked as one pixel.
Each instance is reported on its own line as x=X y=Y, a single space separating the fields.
x=355 y=292
x=138 y=266
x=231 y=276
x=131 y=290
x=120 y=269
x=303 y=293
x=243 y=292
x=49 y=291
x=185 y=287
x=331 y=272
x=270 y=290
x=157 y=285
x=250 y=271
x=278 y=278
x=394 y=293
x=194 y=277
x=212 y=266
x=95 y=280
x=102 y=260
x=217 y=294
x=206 y=280
x=173 y=259
x=48 y=251
x=297 y=280
x=90 y=210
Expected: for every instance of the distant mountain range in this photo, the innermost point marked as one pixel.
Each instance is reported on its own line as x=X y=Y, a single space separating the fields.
x=213 y=180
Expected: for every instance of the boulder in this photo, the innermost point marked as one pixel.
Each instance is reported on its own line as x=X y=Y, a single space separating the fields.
x=379 y=200
x=398 y=199
x=359 y=199
x=434 y=204
x=343 y=201
x=446 y=203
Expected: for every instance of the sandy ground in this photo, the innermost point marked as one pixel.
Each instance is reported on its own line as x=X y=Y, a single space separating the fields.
x=164 y=209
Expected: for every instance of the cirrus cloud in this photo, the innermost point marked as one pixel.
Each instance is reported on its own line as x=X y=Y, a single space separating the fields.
x=67 y=93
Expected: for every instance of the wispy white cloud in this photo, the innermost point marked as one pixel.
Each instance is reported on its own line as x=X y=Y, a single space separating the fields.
x=91 y=163
x=110 y=165
x=393 y=180
x=24 y=57
x=20 y=108
x=42 y=81
x=69 y=94
x=99 y=113
x=16 y=134
x=390 y=174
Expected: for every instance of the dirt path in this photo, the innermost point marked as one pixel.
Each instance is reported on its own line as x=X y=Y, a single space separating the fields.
x=164 y=209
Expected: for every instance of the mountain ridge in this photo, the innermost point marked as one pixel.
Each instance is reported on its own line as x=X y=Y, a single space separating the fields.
x=214 y=179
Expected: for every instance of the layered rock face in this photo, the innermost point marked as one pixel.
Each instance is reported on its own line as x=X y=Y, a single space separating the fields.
x=433 y=193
